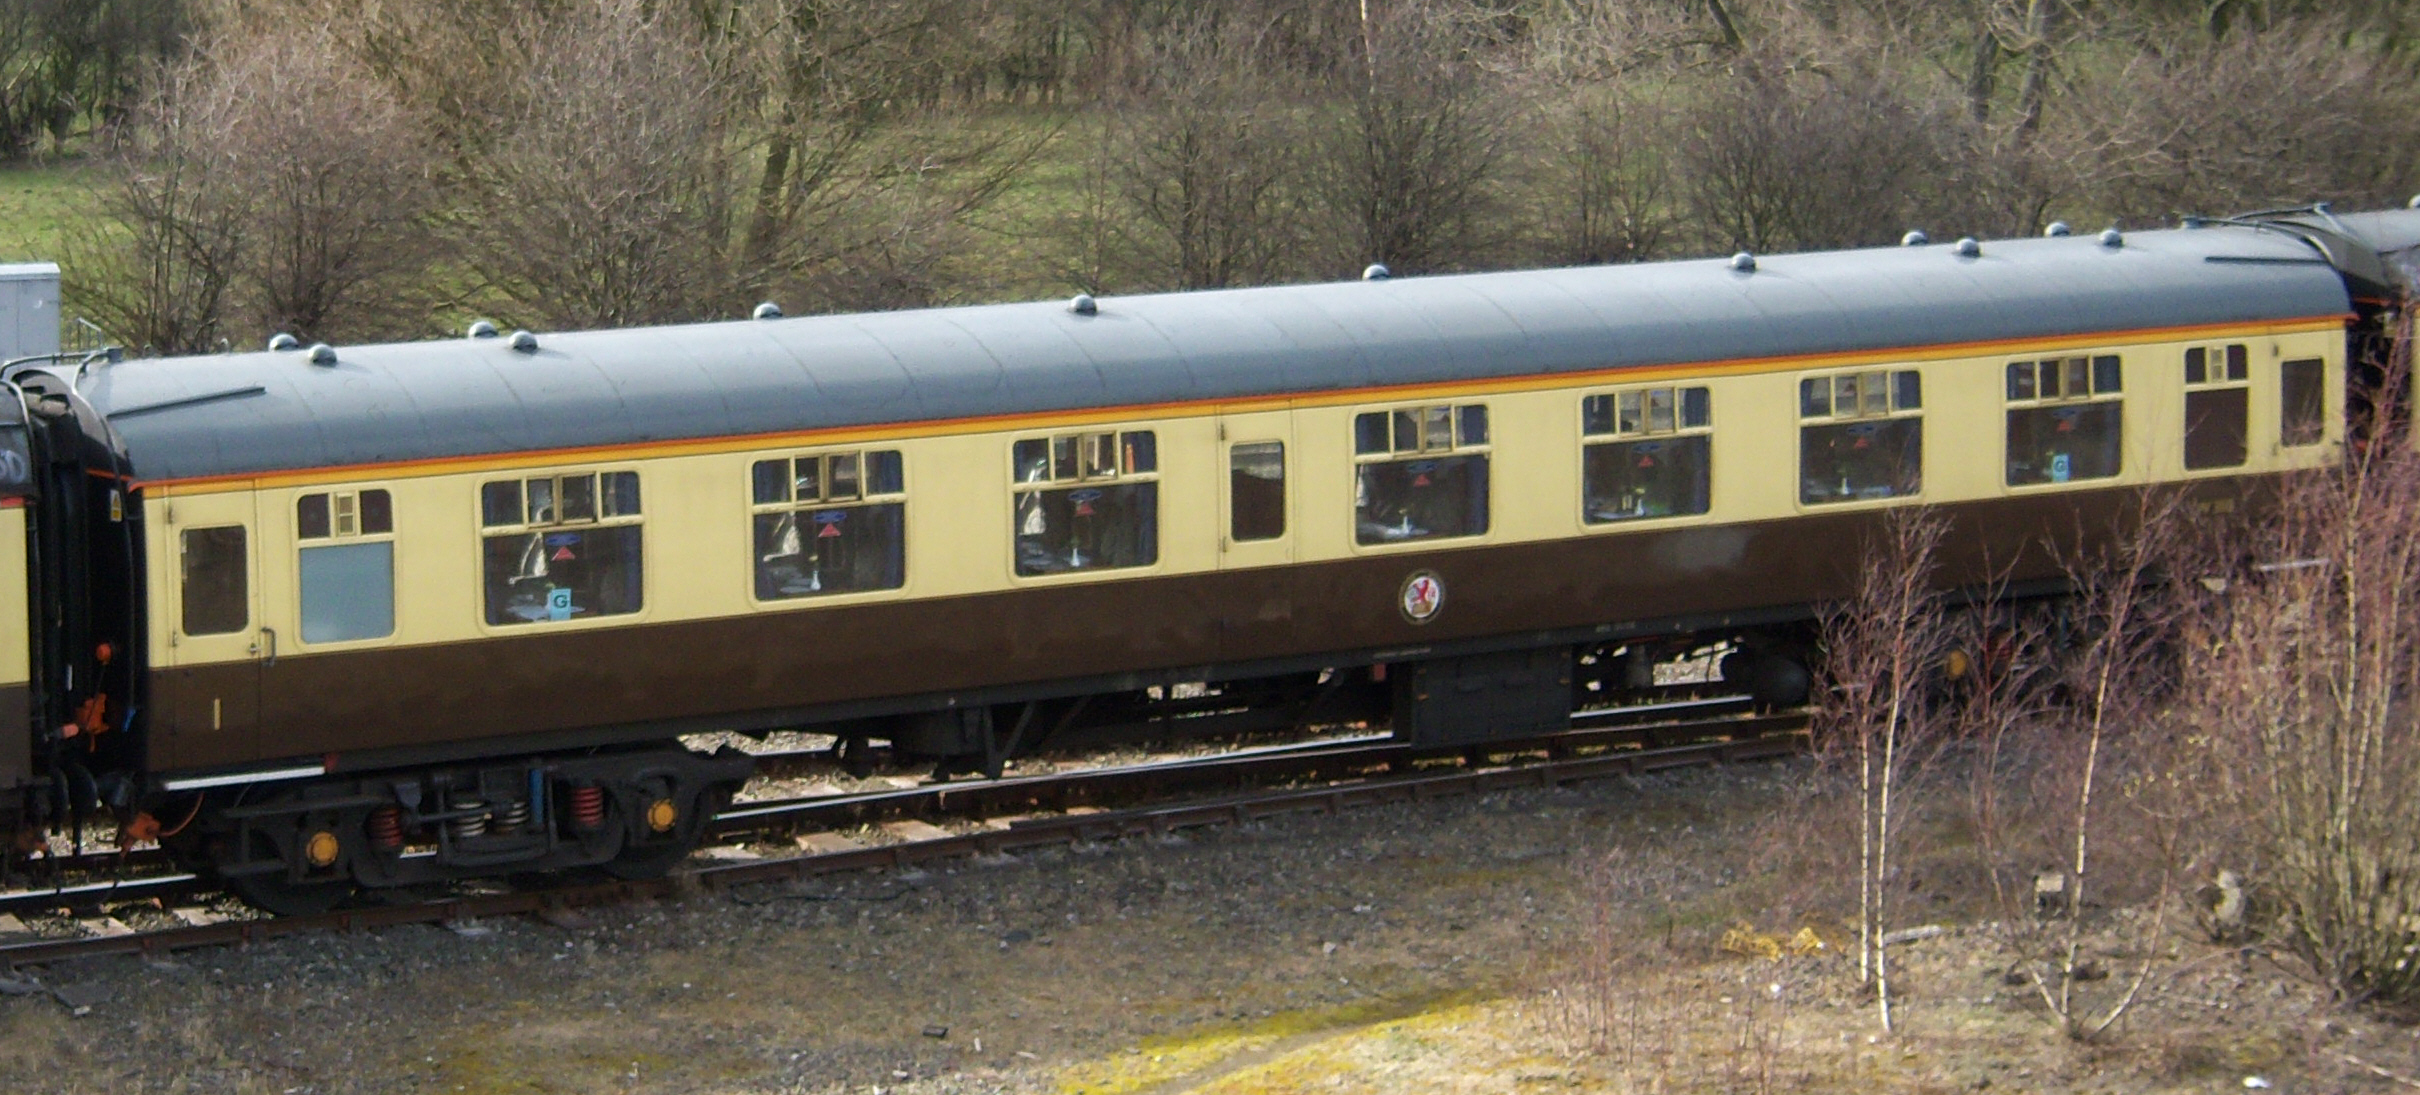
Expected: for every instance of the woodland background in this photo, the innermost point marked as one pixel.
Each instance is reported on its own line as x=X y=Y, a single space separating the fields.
x=211 y=171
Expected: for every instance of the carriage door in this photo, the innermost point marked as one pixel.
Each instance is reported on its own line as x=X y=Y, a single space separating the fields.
x=217 y=638
x=1256 y=532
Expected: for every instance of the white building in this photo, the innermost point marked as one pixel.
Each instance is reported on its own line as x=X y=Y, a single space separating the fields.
x=29 y=309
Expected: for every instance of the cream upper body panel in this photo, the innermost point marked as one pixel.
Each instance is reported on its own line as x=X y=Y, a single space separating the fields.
x=16 y=650
x=960 y=499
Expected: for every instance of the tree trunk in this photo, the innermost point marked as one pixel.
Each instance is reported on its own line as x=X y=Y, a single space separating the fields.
x=2040 y=17
x=1983 y=77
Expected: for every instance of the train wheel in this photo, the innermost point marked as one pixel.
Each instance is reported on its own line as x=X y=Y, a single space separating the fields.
x=856 y=756
x=664 y=829
x=312 y=876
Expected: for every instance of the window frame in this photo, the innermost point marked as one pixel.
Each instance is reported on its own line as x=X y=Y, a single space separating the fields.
x=337 y=536
x=482 y=531
x=1896 y=382
x=1646 y=430
x=2286 y=404
x=1423 y=419
x=1234 y=534
x=2097 y=389
x=2227 y=354
x=863 y=497
x=1072 y=459
x=244 y=550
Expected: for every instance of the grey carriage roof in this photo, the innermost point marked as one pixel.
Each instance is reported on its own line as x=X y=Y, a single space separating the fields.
x=182 y=419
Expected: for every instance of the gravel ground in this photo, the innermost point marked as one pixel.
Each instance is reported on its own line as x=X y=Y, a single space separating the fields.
x=1442 y=948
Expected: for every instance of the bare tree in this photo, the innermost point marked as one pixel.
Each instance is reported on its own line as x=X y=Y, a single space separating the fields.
x=1203 y=152
x=2259 y=119
x=2310 y=659
x=1881 y=647
x=158 y=270
x=336 y=182
x=1783 y=159
x=607 y=200
x=1412 y=155
x=2113 y=673
x=1611 y=181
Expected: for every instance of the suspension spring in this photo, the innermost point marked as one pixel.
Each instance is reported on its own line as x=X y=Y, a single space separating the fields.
x=472 y=823
x=511 y=816
x=386 y=828
x=587 y=806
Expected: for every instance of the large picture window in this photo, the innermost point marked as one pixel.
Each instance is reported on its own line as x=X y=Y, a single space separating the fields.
x=2066 y=419
x=1860 y=436
x=346 y=560
x=561 y=547
x=1648 y=453
x=2218 y=405
x=1420 y=473
x=1086 y=501
x=827 y=523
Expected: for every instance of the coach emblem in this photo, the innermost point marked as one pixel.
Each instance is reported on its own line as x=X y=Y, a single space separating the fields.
x=1423 y=595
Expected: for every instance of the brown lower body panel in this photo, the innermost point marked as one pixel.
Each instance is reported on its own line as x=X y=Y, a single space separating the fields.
x=535 y=683
x=16 y=735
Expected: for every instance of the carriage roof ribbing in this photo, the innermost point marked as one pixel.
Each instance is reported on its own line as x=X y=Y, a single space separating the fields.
x=467 y=397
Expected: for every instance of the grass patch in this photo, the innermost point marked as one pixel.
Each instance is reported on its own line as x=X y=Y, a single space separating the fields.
x=38 y=205
x=1210 y=1051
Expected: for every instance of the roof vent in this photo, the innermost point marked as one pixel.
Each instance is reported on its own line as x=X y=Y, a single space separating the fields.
x=2189 y=222
x=1915 y=238
x=1082 y=304
x=1968 y=248
x=323 y=355
x=1376 y=271
x=525 y=342
x=1744 y=262
x=2111 y=237
x=284 y=341
x=481 y=329
x=767 y=310
x=2058 y=228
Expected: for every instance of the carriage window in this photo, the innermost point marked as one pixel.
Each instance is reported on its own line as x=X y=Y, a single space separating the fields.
x=1256 y=490
x=561 y=547
x=217 y=594
x=1086 y=501
x=348 y=583
x=1655 y=458
x=2066 y=419
x=829 y=523
x=1862 y=436
x=1421 y=473
x=2303 y=402
x=2218 y=402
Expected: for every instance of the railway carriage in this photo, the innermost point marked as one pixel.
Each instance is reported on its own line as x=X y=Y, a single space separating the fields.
x=323 y=618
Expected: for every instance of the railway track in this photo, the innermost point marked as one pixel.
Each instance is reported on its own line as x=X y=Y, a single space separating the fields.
x=1008 y=815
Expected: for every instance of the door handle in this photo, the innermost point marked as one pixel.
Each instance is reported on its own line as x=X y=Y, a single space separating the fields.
x=269 y=645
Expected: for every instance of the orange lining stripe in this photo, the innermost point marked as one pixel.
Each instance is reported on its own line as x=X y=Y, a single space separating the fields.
x=832 y=435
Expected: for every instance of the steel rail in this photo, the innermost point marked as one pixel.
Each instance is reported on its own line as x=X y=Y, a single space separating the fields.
x=146 y=873
x=1776 y=737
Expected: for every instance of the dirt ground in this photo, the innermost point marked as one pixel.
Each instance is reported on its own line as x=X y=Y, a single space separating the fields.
x=1463 y=945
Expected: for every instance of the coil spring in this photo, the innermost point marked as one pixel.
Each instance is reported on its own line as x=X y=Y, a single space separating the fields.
x=511 y=816
x=470 y=824
x=588 y=806
x=386 y=828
